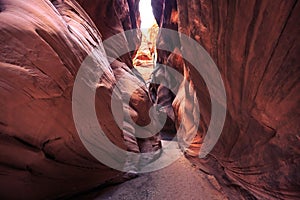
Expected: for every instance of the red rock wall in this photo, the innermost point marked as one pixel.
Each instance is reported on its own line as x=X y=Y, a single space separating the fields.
x=255 y=45
x=115 y=16
x=43 y=44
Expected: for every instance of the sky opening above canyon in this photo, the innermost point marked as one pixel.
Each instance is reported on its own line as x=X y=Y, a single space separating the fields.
x=146 y=13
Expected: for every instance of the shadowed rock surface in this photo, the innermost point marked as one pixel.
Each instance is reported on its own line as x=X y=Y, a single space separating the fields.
x=255 y=45
x=114 y=16
x=43 y=44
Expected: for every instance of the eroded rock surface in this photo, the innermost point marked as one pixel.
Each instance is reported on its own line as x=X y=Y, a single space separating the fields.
x=255 y=45
x=112 y=17
x=43 y=44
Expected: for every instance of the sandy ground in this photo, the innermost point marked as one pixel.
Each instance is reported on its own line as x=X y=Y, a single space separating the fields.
x=178 y=181
x=145 y=71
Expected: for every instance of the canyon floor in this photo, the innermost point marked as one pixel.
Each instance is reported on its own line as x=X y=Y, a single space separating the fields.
x=180 y=180
x=146 y=71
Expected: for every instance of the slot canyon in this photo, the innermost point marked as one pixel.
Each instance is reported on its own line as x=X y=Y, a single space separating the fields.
x=254 y=45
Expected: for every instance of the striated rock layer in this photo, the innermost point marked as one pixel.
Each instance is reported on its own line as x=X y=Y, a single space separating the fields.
x=115 y=16
x=43 y=44
x=255 y=45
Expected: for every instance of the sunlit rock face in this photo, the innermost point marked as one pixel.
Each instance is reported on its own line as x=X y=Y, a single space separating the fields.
x=146 y=53
x=43 y=44
x=255 y=45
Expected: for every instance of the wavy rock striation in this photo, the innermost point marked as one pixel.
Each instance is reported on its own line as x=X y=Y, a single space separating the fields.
x=43 y=44
x=255 y=45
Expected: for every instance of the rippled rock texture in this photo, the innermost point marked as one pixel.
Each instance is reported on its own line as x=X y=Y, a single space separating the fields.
x=43 y=44
x=115 y=16
x=255 y=45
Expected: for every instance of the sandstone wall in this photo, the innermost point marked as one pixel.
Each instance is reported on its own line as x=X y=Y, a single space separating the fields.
x=255 y=45
x=115 y=16
x=43 y=44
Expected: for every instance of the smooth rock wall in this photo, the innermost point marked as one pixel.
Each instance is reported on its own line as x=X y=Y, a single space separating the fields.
x=255 y=45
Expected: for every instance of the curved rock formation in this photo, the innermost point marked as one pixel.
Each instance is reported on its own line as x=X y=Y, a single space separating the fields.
x=112 y=17
x=43 y=44
x=255 y=45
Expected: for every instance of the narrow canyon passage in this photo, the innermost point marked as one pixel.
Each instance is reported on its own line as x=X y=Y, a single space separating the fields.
x=181 y=179
x=145 y=58
x=93 y=92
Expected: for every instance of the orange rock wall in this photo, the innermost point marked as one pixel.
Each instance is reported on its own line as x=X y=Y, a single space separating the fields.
x=255 y=45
